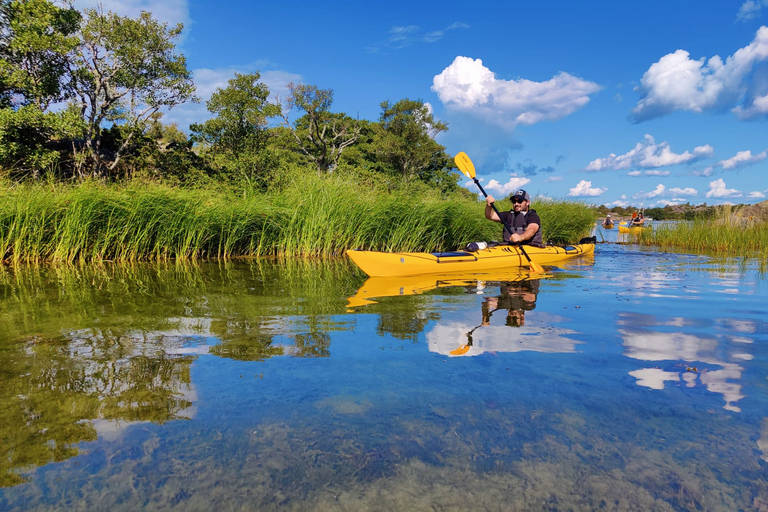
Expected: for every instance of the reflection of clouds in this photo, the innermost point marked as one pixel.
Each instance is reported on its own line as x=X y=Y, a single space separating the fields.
x=653 y=377
x=738 y=325
x=762 y=443
x=660 y=346
x=538 y=335
x=715 y=381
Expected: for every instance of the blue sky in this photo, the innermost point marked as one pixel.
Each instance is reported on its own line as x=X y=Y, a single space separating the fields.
x=609 y=102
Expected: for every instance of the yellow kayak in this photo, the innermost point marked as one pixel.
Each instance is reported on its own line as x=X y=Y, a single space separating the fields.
x=632 y=229
x=376 y=263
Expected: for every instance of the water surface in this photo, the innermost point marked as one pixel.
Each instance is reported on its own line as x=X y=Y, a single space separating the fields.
x=634 y=380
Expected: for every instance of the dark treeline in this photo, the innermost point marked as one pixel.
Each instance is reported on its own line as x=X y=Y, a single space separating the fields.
x=82 y=95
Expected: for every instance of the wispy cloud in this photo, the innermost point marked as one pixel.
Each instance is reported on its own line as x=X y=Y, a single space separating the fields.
x=585 y=189
x=663 y=192
x=168 y=11
x=648 y=154
x=209 y=80
x=528 y=168
x=648 y=173
x=751 y=9
x=402 y=36
x=739 y=160
x=468 y=86
x=677 y=82
x=743 y=159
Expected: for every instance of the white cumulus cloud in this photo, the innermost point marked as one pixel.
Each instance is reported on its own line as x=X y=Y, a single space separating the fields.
x=585 y=189
x=717 y=188
x=513 y=184
x=659 y=190
x=743 y=159
x=756 y=195
x=468 y=86
x=688 y=191
x=677 y=82
x=648 y=154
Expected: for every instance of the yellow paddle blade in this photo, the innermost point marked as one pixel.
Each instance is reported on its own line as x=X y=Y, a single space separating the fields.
x=460 y=351
x=465 y=164
x=536 y=268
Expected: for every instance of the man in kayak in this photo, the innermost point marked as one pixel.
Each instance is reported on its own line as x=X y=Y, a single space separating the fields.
x=525 y=223
x=608 y=222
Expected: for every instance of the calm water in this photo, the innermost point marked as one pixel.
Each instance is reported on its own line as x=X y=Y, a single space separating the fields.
x=636 y=380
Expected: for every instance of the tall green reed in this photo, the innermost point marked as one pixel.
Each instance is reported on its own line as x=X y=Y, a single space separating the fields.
x=727 y=233
x=308 y=216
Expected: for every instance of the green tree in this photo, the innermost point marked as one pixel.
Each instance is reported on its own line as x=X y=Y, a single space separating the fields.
x=32 y=141
x=125 y=70
x=238 y=134
x=408 y=143
x=321 y=135
x=35 y=38
x=35 y=42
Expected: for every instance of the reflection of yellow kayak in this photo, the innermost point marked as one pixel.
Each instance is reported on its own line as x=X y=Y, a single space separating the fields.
x=376 y=263
x=394 y=286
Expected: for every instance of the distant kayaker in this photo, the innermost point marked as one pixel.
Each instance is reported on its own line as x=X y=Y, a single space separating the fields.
x=525 y=223
x=608 y=221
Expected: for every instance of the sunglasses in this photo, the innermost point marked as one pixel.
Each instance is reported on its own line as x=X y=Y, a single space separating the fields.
x=518 y=201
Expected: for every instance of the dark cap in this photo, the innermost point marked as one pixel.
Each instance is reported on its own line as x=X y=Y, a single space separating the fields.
x=521 y=194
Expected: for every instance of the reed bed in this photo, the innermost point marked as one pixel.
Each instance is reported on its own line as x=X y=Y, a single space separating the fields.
x=311 y=216
x=724 y=235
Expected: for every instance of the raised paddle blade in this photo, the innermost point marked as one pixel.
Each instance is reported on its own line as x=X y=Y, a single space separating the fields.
x=465 y=164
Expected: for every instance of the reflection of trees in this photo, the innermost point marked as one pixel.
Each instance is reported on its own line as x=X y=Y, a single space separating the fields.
x=80 y=344
x=404 y=325
x=50 y=389
x=312 y=344
x=243 y=341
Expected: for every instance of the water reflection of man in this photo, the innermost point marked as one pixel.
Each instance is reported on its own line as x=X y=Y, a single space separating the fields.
x=516 y=297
